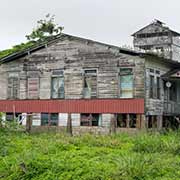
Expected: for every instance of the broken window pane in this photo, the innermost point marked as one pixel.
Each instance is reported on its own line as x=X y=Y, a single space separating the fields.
x=90 y=84
x=126 y=83
x=57 y=89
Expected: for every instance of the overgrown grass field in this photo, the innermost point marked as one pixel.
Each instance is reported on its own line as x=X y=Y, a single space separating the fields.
x=51 y=156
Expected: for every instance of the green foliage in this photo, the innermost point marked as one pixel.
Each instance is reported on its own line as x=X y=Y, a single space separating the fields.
x=16 y=48
x=51 y=156
x=46 y=28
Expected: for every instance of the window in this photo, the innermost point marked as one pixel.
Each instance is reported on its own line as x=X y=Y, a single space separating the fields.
x=90 y=119
x=151 y=91
x=33 y=88
x=121 y=120
x=90 y=83
x=132 y=122
x=12 y=116
x=158 y=88
x=150 y=35
x=154 y=84
x=152 y=122
x=49 y=119
x=44 y=119
x=54 y=119
x=57 y=85
x=126 y=83
x=13 y=86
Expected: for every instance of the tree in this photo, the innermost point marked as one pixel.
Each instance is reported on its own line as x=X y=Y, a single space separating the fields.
x=46 y=28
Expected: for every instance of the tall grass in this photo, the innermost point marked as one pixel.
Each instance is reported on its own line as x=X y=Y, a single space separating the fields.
x=58 y=156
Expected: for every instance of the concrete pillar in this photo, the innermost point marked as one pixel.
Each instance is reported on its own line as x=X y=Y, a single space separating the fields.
x=113 y=124
x=69 y=125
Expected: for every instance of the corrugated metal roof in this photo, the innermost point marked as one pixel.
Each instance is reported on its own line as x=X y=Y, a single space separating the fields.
x=74 y=106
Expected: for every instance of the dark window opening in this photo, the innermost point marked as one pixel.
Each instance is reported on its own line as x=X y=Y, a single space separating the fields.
x=149 y=35
x=158 y=88
x=121 y=120
x=152 y=122
x=49 y=119
x=124 y=122
x=12 y=116
x=146 y=47
x=90 y=119
x=90 y=84
x=132 y=122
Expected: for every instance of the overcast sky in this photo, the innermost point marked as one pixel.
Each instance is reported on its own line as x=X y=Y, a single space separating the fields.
x=109 y=21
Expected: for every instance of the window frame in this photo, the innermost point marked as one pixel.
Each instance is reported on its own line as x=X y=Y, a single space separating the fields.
x=119 y=82
x=96 y=74
x=155 y=89
x=91 y=122
x=49 y=119
x=15 y=75
x=38 y=86
x=59 y=76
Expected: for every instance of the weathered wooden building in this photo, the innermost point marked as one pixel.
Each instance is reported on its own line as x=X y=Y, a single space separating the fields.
x=98 y=84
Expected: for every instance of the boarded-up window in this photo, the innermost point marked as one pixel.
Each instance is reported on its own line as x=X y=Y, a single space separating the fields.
x=126 y=83
x=33 y=88
x=13 y=86
x=57 y=87
x=90 y=83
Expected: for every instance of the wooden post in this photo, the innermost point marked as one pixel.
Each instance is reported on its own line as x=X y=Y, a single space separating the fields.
x=159 y=122
x=90 y=119
x=69 y=125
x=29 y=123
x=143 y=121
x=138 y=121
x=127 y=120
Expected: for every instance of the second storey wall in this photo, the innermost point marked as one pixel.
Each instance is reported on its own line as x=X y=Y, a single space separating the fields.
x=73 y=57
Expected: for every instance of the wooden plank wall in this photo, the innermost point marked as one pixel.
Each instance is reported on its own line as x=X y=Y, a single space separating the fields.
x=72 y=56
